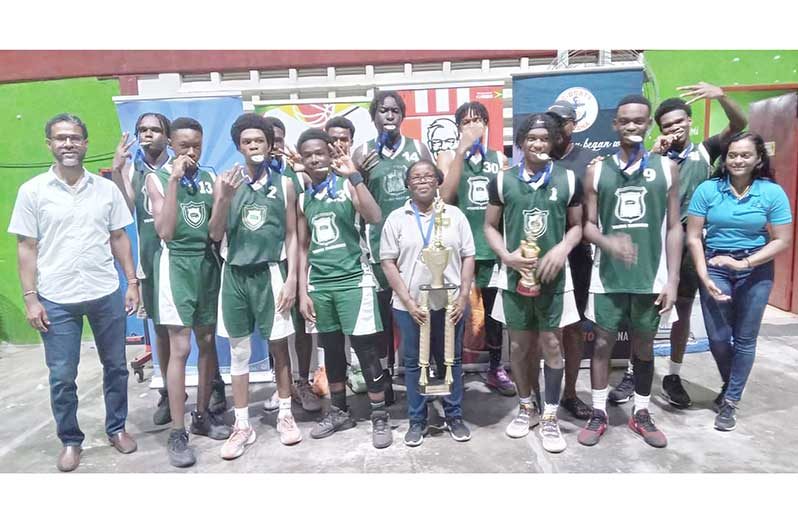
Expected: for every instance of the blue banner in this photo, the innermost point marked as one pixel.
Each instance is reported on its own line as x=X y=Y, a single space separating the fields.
x=595 y=95
x=216 y=115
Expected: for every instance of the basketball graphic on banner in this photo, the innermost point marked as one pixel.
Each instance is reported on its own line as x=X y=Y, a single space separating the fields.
x=314 y=115
x=586 y=106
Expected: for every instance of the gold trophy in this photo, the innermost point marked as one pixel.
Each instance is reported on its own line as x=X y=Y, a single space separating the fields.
x=436 y=258
x=528 y=284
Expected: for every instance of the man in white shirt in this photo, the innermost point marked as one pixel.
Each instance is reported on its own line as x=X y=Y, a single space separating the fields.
x=70 y=226
x=407 y=231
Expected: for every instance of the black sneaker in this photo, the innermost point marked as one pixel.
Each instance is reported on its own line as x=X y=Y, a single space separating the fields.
x=162 y=414
x=210 y=425
x=624 y=390
x=673 y=391
x=335 y=420
x=719 y=398
x=458 y=429
x=726 y=419
x=180 y=454
x=218 y=402
x=415 y=434
x=577 y=408
x=389 y=395
x=381 y=435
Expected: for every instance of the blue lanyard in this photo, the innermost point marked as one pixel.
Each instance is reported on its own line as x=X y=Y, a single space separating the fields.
x=383 y=141
x=329 y=183
x=544 y=173
x=140 y=162
x=258 y=174
x=276 y=165
x=424 y=237
x=476 y=147
x=189 y=181
x=682 y=156
x=640 y=151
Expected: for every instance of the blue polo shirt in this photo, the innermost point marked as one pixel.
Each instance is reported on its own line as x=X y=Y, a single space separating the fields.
x=733 y=224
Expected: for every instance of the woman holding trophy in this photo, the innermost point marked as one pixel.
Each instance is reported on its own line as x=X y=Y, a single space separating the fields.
x=539 y=203
x=427 y=254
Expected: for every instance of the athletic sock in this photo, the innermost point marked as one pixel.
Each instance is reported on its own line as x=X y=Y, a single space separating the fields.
x=285 y=407
x=600 y=398
x=338 y=399
x=550 y=410
x=242 y=417
x=553 y=379
x=377 y=407
x=641 y=402
x=644 y=376
x=384 y=362
x=630 y=367
x=525 y=401
x=675 y=368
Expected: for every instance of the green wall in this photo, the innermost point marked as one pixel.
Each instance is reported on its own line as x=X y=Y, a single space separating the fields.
x=672 y=69
x=24 y=109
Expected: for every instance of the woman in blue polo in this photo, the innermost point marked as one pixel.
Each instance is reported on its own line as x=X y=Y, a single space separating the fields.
x=735 y=206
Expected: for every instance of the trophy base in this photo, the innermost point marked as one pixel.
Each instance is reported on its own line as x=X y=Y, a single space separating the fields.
x=445 y=287
x=529 y=292
x=437 y=388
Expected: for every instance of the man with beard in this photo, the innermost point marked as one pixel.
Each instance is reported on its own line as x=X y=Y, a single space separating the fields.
x=394 y=153
x=70 y=226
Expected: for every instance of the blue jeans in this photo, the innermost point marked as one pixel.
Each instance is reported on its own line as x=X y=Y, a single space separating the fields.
x=409 y=329
x=62 y=354
x=733 y=326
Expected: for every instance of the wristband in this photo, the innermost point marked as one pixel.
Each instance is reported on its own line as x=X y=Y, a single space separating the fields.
x=26 y=293
x=132 y=280
x=748 y=262
x=356 y=179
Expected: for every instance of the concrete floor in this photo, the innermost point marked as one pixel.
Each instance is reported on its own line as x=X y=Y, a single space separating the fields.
x=766 y=439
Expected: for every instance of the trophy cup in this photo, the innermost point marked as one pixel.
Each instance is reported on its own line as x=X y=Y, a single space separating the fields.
x=436 y=258
x=528 y=284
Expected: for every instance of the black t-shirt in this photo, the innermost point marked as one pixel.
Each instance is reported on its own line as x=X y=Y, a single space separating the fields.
x=577 y=160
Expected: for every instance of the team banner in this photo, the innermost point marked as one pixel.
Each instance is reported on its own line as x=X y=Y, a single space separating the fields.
x=216 y=114
x=429 y=118
x=595 y=95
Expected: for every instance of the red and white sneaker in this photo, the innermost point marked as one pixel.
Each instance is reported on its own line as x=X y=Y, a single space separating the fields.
x=642 y=424
x=596 y=426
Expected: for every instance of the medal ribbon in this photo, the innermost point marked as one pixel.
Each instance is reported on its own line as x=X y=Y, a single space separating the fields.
x=424 y=237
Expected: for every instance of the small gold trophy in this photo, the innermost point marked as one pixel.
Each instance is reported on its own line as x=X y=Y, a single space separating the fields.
x=528 y=284
x=436 y=258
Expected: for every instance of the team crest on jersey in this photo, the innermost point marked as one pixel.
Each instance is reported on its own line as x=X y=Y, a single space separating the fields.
x=253 y=216
x=193 y=213
x=394 y=182
x=630 y=203
x=478 y=190
x=536 y=222
x=145 y=197
x=325 y=231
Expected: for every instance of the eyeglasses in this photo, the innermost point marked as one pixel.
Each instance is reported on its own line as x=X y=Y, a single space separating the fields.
x=421 y=179
x=68 y=138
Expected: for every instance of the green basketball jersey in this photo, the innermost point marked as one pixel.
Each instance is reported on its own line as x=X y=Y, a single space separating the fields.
x=286 y=170
x=634 y=204
x=256 y=223
x=337 y=257
x=148 y=240
x=193 y=212
x=386 y=183
x=693 y=169
x=472 y=197
x=539 y=211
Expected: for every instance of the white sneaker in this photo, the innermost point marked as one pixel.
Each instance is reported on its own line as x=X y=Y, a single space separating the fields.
x=273 y=403
x=289 y=432
x=527 y=417
x=550 y=435
x=237 y=442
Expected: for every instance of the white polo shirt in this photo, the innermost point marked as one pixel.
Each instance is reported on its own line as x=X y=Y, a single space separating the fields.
x=402 y=241
x=72 y=226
